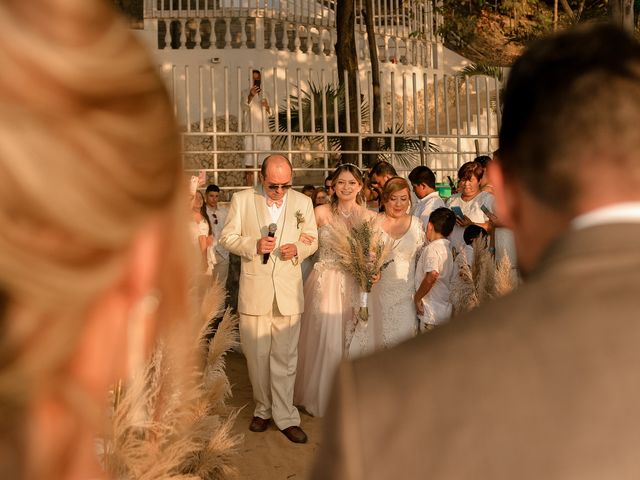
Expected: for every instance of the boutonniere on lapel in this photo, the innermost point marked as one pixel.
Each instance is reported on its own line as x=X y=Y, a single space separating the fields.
x=299 y=218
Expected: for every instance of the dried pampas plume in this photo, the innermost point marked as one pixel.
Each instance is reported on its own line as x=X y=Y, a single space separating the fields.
x=482 y=282
x=505 y=278
x=463 y=290
x=171 y=421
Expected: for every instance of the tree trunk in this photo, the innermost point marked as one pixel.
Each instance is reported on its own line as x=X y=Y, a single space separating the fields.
x=621 y=14
x=372 y=143
x=567 y=9
x=347 y=59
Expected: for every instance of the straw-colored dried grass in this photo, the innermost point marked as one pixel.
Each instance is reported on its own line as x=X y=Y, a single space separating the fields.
x=171 y=421
x=360 y=246
x=484 y=281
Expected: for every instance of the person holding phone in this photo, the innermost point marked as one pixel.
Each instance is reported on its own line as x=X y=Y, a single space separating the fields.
x=256 y=111
x=468 y=203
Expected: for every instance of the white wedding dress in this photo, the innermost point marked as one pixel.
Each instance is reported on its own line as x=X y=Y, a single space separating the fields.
x=328 y=309
x=392 y=313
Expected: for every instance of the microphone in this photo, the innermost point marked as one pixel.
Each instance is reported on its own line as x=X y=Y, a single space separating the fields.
x=272 y=233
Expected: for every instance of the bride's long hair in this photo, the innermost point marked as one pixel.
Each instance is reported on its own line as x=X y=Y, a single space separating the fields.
x=353 y=170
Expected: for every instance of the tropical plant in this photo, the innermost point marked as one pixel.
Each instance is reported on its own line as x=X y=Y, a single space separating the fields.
x=403 y=148
x=474 y=69
x=307 y=121
x=493 y=71
x=307 y=115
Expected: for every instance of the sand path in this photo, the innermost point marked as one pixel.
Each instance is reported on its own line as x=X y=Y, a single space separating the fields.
x=268 y=455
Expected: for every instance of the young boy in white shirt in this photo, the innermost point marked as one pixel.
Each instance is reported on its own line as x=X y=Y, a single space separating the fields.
x=423 y=182
x=434 y=271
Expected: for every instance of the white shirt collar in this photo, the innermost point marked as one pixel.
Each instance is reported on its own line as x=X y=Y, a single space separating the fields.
x=426 y=198
x=628 y=212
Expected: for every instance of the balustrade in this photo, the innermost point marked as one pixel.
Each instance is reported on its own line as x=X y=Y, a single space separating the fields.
x=404 y=30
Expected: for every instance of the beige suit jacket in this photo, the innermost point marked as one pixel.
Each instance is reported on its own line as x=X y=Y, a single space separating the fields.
x=247 y=221
x=541 y=384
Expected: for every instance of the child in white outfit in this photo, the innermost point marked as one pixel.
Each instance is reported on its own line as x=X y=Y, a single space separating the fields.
x=434 y=271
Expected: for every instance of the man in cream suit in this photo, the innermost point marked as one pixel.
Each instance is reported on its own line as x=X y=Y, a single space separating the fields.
x=270 y=300
x=543 y=383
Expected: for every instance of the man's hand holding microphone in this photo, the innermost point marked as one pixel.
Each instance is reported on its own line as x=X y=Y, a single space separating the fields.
x=267 y=244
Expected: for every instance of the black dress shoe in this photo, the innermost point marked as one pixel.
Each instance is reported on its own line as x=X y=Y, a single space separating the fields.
x=295 y=434
x=259 y=424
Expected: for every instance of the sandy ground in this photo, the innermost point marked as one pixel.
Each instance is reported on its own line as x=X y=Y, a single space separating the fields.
x=268 y=455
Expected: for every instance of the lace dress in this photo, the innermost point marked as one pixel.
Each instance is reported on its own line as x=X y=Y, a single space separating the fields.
x=328 y=309
x=392 y=314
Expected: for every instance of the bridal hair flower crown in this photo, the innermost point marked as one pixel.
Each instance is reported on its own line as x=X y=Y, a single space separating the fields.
x=349 y=164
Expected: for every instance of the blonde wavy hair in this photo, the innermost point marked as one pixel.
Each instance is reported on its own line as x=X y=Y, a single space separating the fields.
x=89 y=154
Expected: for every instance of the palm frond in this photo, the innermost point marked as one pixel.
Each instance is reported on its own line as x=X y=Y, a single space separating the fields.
x=476 y=69
x=406 y=148
x=308 y=111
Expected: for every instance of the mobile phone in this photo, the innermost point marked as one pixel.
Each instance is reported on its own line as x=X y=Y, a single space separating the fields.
x=257 y=83
x=457 y=211
x=451 y=184
x=486 y=211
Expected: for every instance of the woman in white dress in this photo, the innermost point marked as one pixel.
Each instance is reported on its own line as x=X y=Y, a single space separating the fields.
x=392 y=312
x=470 y=201
x=329 y=295
x=201 y=233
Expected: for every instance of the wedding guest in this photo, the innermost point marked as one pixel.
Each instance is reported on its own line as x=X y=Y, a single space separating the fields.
x=330 y=297
x=484 y=160
x=470 y=201
x=378 y=176
x=435 y=271
x=217 y=214
x=319 y=197
x=328 y=185
x=88 y=281
x=308 y=190
x=380 y=173
x=270 y=299
x=423 y=183
x=371 y=196
x=256 y=111
x=201 y=233
x=541 y=383
x=503 y=242
x=393 y=315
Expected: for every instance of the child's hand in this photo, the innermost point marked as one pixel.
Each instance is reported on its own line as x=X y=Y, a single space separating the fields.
x=419 y=305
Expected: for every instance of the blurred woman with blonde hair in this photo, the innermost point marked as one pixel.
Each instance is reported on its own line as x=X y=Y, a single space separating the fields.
x=91 y=227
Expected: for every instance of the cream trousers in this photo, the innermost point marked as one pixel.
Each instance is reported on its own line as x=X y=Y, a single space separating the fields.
x=270 y=345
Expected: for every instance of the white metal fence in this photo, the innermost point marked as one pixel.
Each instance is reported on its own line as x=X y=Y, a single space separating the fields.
x=437 y=120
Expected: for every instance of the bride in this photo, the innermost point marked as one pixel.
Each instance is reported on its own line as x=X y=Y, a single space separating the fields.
x=329 y=296
x=393 y=315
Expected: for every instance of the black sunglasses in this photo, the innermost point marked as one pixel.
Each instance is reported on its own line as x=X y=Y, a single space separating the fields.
x=278 y=187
